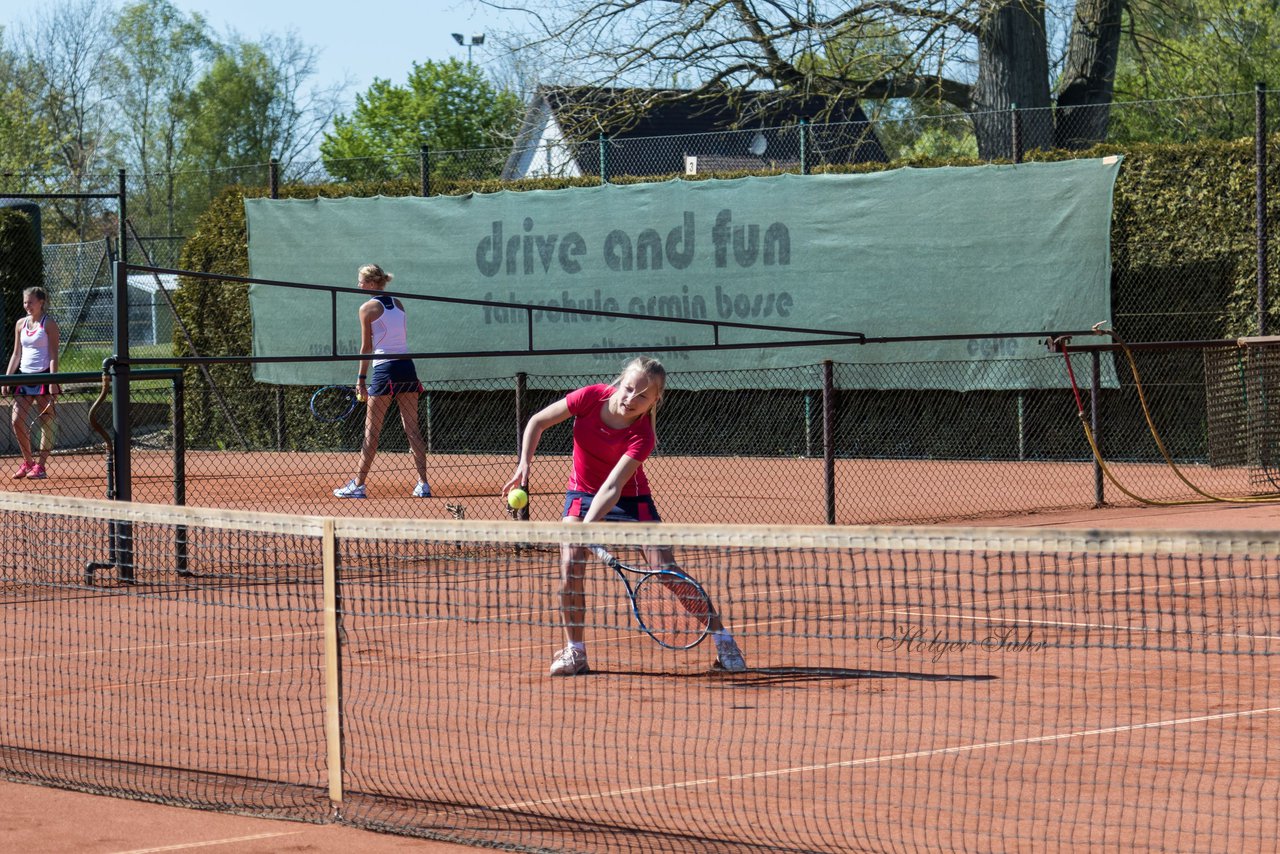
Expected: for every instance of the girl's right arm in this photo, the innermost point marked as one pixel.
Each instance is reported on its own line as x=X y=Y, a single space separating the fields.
x=549 y=417
x=369 y=312
x=16 y=358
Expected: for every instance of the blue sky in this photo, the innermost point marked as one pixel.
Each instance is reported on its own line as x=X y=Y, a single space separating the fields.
x=362 y=40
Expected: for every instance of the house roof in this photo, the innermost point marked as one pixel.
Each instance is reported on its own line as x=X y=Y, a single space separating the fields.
x=707 y=124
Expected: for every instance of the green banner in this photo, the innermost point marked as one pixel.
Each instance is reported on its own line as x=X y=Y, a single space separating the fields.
x=909 y=252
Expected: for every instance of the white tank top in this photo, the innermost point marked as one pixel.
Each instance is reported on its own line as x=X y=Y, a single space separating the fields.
x=390 y=331
x=35 y=348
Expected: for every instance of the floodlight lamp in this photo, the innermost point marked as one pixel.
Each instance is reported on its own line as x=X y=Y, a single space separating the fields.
x=478 y=38
x=458 y=38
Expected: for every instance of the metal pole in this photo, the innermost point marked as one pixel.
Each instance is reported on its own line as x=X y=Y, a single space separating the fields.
x=280 y=415
x=829 y=438
x=424 y=170
x=522 y=416
x=1016 y=137
x=604 y=167
x=1095 y=421
x=1260 y=193
x=120 y=410
x=180 y=472
x=804 y=147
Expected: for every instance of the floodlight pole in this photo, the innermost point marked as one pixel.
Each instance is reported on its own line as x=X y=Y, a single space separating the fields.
x=476 y=39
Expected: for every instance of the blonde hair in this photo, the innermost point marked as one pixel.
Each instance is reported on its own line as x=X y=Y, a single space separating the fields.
x=374 y=273
x=649 y=367
x=37 y=292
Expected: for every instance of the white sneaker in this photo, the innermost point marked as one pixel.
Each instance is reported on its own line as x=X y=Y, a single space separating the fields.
x=422 y=490
x=351 y=490
x=729 y=657
x=570 y=661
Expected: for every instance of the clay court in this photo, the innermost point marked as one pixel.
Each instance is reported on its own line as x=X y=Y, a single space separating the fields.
x=691 y=489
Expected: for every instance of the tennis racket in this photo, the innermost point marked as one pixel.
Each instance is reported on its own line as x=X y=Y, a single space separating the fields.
x=333 y=402
x=669 y=606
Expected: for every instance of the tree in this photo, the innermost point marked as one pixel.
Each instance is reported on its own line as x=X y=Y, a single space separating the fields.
x=160 y=53
x=449 y=106
x=980 y=56
x=253 y=105
x=1174 y=53
x=27 y=145
x=67 y=60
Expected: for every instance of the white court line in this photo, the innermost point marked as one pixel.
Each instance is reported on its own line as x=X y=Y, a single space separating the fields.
x=183 y=846
x=876 y=760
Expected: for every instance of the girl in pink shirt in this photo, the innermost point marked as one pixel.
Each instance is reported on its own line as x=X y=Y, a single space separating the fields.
x=613 y=434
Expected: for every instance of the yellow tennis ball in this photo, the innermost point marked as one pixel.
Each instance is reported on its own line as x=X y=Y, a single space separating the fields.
x=517 y=498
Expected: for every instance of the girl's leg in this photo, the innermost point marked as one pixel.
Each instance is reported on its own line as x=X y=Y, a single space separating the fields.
x=572 y=660
x=45 y=402
x=21 y=409
x=573 y=599
x=728 y=655
x=375 y=413
x=408 y=403
x=663 y=557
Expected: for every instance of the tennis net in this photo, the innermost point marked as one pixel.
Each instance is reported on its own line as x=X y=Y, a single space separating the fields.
x=907 y=690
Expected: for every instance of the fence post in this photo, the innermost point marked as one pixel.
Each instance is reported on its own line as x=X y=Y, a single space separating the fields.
x=829 y=438
x=1260 y=155
x=424 y=169
x=1015 y=140
x=1095 y=421
x=522 y=415
x=604 y=166
x=274 y=173
x=804 y=147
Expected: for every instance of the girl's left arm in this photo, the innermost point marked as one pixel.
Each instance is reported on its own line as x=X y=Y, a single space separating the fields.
x=51 y=330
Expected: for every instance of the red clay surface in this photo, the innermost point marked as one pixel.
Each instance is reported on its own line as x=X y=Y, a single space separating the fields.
x=688 y=489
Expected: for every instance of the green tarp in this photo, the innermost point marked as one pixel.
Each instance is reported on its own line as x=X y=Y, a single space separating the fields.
x=909 y=252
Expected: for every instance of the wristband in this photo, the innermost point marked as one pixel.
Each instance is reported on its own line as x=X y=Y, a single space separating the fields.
x=363 y=377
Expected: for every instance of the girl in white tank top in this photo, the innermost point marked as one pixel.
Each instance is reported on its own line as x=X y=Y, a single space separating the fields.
x=35 y=351
x=383 y=342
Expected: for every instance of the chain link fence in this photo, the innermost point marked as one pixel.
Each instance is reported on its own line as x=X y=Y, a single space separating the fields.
x=821 y=448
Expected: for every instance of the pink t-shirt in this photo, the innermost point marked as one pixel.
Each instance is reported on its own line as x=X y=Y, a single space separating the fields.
x=597 y=447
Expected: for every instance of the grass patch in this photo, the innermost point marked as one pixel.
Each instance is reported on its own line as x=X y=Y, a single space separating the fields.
x=90 y=355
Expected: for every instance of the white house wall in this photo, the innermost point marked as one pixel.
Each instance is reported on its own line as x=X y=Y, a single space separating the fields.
x=547 y=155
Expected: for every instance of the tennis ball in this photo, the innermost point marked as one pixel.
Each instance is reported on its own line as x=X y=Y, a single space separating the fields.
x=517 y=498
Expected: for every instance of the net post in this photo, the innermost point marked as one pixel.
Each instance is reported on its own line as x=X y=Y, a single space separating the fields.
x=829 y=438
x=332 y=665
x=179 y=424
x=1095 y=398
x=121 y=412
